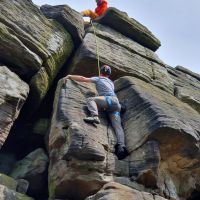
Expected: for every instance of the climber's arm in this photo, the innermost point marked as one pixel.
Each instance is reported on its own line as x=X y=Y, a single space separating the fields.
x=78 y=78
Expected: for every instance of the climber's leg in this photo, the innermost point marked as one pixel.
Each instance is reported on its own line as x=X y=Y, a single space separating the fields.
x=120 y=148
x=93 y=103
x=116 y=124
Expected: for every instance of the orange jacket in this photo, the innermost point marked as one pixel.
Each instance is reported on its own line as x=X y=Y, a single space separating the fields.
x=101 y=8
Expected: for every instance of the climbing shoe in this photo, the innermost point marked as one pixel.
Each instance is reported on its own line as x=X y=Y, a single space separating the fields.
x=121 y=151
x=92 y=119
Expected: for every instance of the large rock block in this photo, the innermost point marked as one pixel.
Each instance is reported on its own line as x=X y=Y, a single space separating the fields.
x=187 y=86
x=81 y=158
x=113 y=191
x=155 y=114
x=16 y=185
x=6 y=193
x=44 y=45
x=125 y=56
x=13 y=94
x=71 y=20
x=33 y=168
x=129 y=27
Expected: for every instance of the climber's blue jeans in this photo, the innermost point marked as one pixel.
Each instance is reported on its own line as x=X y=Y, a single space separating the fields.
x=113 y=110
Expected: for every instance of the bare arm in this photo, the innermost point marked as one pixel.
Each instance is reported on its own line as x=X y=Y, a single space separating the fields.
x=78 y=78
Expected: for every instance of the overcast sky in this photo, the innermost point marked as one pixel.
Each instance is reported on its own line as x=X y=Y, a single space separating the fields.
x=176 y=23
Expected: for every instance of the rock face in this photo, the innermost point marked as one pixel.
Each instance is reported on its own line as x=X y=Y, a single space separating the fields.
x=125 y=56
x=161 y=124
x=129 y=27
x=113 y=191
x=155 y=115
x=187 y=85
x=13 y=94
x=43 y=44
x=71 y=20
x=78 y=150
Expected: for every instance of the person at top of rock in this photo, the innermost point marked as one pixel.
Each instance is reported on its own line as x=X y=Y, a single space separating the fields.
x=100 y=9
x=108 y=101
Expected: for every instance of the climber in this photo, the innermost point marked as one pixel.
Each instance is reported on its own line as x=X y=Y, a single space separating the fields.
x=100 y=9
x=108 y=101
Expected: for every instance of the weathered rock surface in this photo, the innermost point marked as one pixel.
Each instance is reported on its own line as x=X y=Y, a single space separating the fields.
x=116 y=191
x=129 y=27
x=44 y=45
x=81 y=158
x=13 y=94
x=155 y=114
x=71 y=20
x=187 y=86
x=125 y=56
x=8 y=182
x=19 y=185
x=161 y=124
x=162 y=136
x=8 y=194
x=33 y=168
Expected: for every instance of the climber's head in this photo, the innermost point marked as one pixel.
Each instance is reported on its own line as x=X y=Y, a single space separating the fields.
x=105 y=70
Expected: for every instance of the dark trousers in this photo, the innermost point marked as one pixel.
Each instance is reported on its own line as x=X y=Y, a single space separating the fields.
x=100 y=102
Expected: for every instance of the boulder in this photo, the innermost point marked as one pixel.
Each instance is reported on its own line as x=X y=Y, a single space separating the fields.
x=6 y=193
x=125 y=56
x=129 y=27
x=187 y=86
x=44 y=46
x=33 y=168
x=71 y=20
x=13 y=94
x=113 y=191
x=8 y=182
x=153 y=114
x=187 y=71
x=144 y=164
x=81 y=155
x=20 y=185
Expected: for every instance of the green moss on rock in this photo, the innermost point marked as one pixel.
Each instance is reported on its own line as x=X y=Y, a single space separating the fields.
x=52 y=188
x=8 y=182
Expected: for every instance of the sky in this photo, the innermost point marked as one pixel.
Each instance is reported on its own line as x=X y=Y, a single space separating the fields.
x=176 y=23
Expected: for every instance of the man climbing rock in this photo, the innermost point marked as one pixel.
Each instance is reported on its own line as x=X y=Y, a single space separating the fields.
x=100 y=9
x=107 y=100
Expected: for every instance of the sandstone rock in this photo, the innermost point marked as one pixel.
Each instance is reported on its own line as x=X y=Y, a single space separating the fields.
x=129 y=27
x=116 y=191
x=44 y=46
x=6 y=194
x=71 y=20
x=33 y=168
x=13 y=94
x=187 y=71
x=144 y=164
x=155 y=114
x=12 y=47
x=187 y=86
x=81 y=158
x=125 y=56
x=151 y=109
